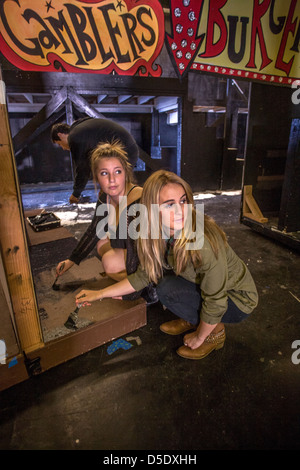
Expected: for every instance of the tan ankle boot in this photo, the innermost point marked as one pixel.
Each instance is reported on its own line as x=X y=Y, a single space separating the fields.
x=176 y=327
x=213 y=341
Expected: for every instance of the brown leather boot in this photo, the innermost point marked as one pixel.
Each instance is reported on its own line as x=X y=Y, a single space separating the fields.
x=213 y=341
x=176 y=327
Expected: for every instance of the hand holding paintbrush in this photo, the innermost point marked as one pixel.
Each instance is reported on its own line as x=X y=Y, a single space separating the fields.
x=61 y=268
x=73 y=317
x=54 y=285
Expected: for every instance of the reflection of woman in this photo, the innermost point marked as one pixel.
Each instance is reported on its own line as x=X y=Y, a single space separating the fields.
x=204 y=286
x=112 y=170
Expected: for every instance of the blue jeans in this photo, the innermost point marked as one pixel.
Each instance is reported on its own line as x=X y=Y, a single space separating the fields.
x=183 y=298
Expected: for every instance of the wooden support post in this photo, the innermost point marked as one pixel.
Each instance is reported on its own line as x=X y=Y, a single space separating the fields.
x=13 y=241
x=250 y=207
x=289 y=215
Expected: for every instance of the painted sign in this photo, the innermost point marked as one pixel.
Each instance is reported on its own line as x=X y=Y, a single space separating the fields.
x=94 y=36
x=254 y=39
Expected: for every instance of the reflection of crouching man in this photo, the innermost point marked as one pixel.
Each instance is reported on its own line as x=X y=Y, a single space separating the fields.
x=82 y=137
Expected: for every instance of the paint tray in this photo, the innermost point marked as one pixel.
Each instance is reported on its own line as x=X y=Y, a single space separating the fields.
x=44 y=221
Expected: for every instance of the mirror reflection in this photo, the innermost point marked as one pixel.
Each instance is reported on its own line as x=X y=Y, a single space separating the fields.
x=61 y=193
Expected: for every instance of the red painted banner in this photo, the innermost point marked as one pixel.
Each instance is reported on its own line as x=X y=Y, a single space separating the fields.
x=253 y=39
x=93 y=36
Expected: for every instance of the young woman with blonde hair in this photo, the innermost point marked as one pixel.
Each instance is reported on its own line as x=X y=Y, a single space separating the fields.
x=198 y=276
x=112 y=170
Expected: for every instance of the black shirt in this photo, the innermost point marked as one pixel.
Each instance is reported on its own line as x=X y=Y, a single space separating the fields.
x=90 y=238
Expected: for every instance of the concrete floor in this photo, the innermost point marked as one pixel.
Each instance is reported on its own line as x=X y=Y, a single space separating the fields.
x=244 y=396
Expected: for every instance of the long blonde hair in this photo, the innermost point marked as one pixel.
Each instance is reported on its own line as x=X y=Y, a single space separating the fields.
x=151 y=251
x=113 y=149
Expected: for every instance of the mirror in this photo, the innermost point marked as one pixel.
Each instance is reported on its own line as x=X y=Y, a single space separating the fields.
x=45 y=174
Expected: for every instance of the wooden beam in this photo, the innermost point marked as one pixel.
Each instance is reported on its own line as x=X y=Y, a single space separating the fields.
x=41 y=82
x=82 y=105
x=250 y=207
x=40 y=121
x=149 y=162
x=13 y=240
x=124 y=98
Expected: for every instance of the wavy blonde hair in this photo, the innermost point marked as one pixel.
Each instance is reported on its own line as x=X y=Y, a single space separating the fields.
x=113 y=149
x=151 y=251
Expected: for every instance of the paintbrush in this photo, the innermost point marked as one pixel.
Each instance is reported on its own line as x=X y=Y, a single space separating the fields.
x=54 y=285
x=72 y=319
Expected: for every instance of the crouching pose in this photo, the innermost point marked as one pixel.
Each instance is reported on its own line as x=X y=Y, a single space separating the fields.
x=112 y=171
x=197 y=275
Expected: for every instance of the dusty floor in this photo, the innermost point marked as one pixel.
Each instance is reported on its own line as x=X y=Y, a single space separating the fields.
x=244 y=396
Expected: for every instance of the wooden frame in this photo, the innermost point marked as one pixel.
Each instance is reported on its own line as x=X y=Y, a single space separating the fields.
x=74 y=344
x=14 y=243
x=34 y=355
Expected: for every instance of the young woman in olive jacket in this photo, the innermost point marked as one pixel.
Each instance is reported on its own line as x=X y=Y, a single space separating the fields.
x=198 y=275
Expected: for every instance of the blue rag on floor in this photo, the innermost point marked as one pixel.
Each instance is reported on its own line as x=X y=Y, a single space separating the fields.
x=119 y=344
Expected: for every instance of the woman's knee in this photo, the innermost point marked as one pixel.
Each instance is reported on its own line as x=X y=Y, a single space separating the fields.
x=175 y=288
x=103 y=246
x=181 y=297
x=164 y=287
x=234 y=314
x=113 y=262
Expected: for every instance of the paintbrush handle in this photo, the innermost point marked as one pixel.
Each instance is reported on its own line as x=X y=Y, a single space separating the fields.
x=60 y=270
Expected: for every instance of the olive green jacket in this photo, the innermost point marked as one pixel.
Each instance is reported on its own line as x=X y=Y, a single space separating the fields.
x=219 y=278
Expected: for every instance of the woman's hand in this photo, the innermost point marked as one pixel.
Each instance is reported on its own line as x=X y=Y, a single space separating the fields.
x=193 y=340
x=87 y=296
x=115 y=291
x=63 y=266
